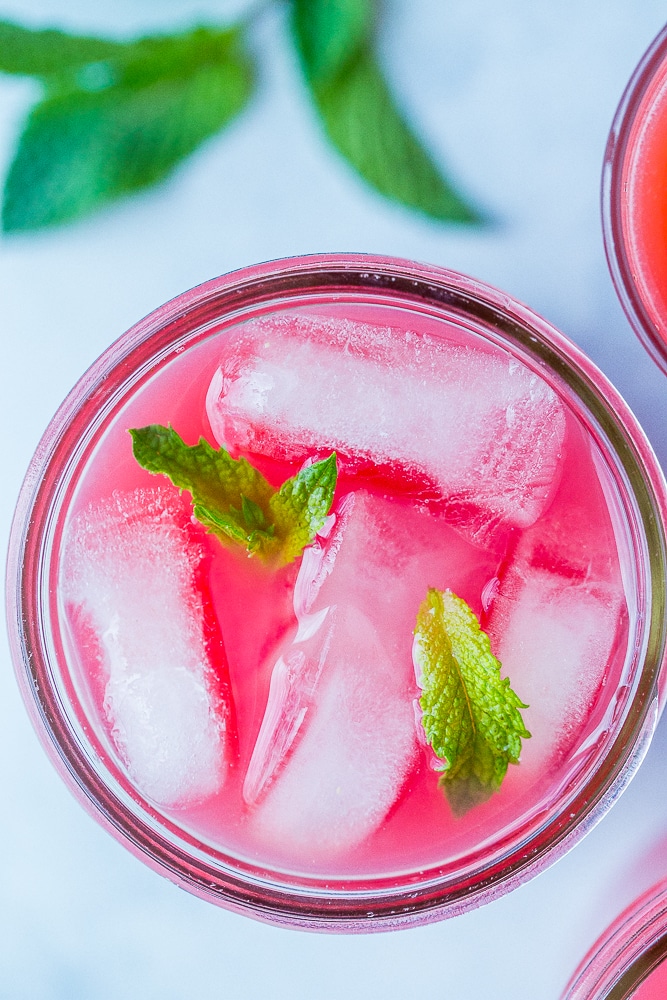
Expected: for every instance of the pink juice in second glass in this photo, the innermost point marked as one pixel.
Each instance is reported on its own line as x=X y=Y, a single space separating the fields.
x=635 y=199
x=654 y=987
x=273 y=714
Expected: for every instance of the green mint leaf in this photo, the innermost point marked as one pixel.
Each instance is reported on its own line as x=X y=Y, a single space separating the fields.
x=470 y=715
x=111 y=127
x=363 y=122
x=328 y=33
x=301 y=505
x=221 y=486
x=234 y=501
x=48 y=52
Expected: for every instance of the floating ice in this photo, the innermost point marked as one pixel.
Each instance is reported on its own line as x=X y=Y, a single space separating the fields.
x=129 y=574
x=339 y=736
x=350 y=765
x=554 y=638
x=478 y=427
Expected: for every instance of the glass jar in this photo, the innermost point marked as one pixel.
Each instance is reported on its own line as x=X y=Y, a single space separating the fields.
x=148 y=374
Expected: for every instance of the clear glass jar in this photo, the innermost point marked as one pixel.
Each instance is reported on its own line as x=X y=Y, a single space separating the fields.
x=628 y=960
x=443 y=879
x=634 y=203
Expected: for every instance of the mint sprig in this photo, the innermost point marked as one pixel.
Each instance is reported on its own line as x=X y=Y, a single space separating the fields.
x=234 y=501
x=118 y=116
x=470 y=714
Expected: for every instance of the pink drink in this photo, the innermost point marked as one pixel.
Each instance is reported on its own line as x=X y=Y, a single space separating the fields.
x=255 y=731
x=635 y=202
x=254 y=607
x=654 y=986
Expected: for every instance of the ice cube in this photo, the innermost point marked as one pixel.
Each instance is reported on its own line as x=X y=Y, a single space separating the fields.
x=357 y=748
x=581 y=534
x=478 y=428
x=129 y=573
x=554 y=638
x=339 y=737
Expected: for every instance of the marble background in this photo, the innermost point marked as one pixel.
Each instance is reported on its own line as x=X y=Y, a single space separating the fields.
x=517 y=99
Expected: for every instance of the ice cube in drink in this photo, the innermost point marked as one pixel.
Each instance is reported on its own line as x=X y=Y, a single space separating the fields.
x=349 y=703
x=135 y=608
x=477 y=430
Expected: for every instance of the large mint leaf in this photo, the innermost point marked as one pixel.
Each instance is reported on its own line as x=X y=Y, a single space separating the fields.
x=362 y=120
x=328 y=33
x=115 y=126
x=470 y=714
x=359 y=113
x=234 y=501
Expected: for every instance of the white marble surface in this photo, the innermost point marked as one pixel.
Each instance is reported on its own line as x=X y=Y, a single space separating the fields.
x=517 y=98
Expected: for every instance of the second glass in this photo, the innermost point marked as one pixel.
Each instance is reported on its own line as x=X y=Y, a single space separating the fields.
x=634 y=200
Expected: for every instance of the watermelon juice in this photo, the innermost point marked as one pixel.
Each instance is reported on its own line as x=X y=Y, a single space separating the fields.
x=635 y=200
x=259 y=729
x=654 y=986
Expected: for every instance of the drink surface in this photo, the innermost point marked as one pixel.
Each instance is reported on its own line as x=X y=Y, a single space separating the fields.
x=644 y=218
x=654 y=987
x=273 y=714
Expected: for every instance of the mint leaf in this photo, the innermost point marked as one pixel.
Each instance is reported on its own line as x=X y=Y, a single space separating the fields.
x=116 y=125
x=359 y=113
x=364 y=123
x=47 y=52
x=302 y=504
x=329 y=32
x=224 y=490
x=470 y=715
x=234 y=501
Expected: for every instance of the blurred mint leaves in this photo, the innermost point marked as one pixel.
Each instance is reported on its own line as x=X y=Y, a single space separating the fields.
x=116 y=117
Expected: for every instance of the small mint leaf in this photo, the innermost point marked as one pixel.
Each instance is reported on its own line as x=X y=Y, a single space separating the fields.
x=363 y=122
x=234 y=501
x=119 y=125
x=300 y=507
x=470 y=715
x=328 y=33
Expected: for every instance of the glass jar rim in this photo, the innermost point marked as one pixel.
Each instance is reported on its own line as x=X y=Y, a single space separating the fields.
x=446 y=293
